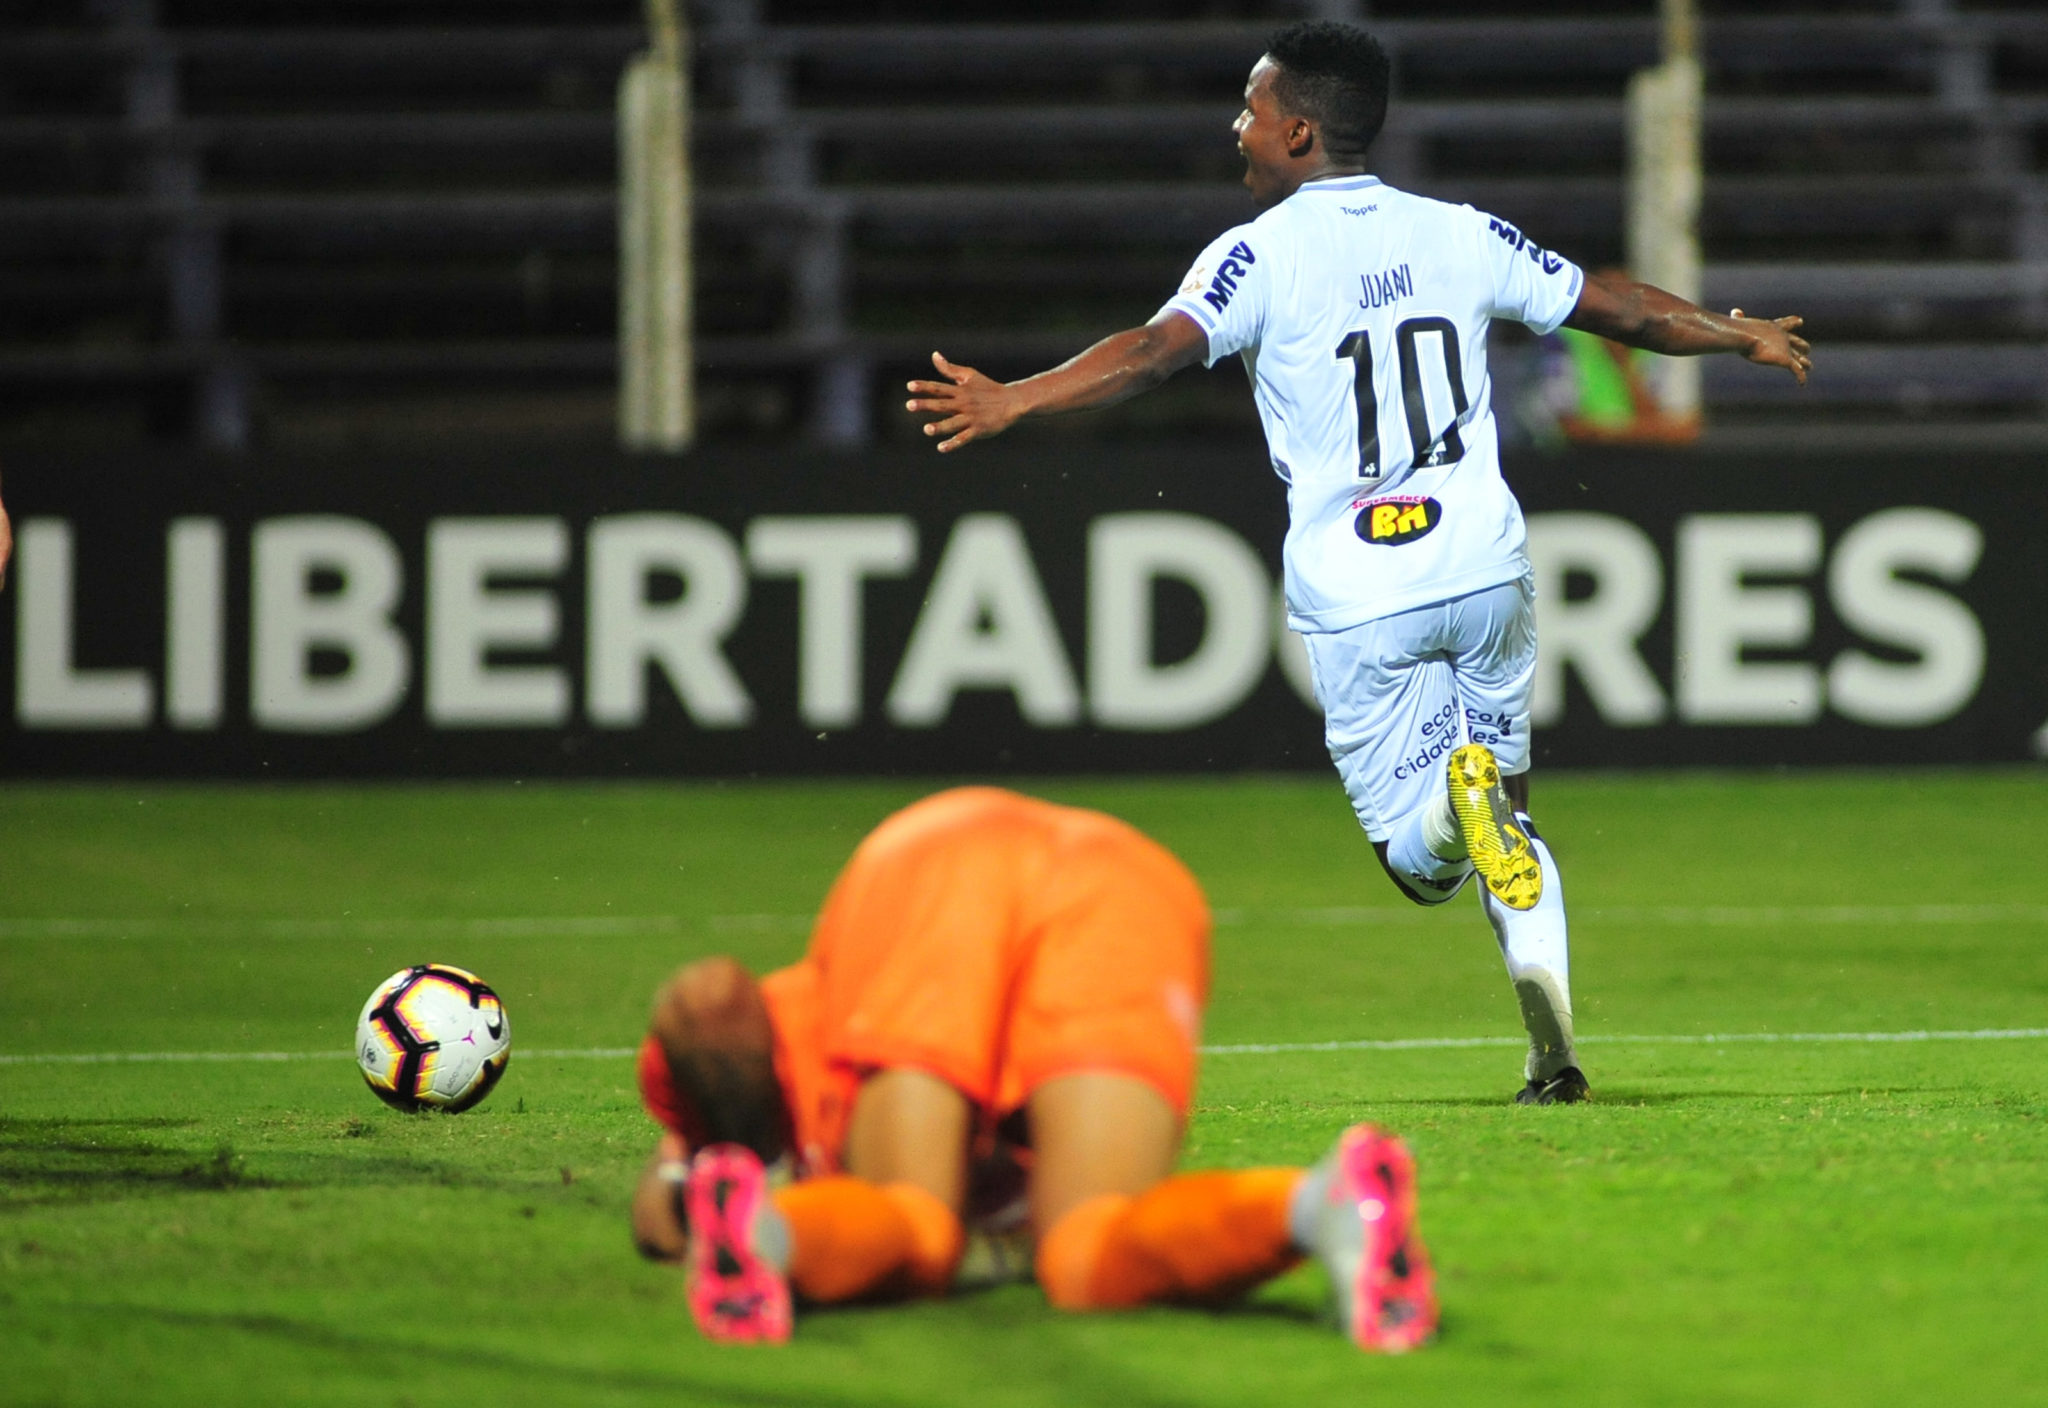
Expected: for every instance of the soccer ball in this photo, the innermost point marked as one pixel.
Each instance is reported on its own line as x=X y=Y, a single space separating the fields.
x=433 y=1038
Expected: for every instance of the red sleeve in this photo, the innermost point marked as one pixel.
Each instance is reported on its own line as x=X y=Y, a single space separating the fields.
x=658 y=1094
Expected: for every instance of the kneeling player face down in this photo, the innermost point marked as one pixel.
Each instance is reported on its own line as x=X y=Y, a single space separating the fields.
x=1001 y=997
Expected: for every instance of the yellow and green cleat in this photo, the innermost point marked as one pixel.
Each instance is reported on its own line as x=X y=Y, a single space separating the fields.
x=1499 y=849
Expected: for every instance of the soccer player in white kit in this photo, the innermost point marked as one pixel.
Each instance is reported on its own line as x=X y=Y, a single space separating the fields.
x=1361 y=313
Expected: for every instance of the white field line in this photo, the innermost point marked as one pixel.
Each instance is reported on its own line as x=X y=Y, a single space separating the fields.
x=1675 y=916
x=1420 y=1043
x=116 y=1058
x=569 y=926
x=1439 y=1043
x=607 y=926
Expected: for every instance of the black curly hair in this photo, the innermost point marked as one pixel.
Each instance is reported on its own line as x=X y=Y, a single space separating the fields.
x=1336 y=76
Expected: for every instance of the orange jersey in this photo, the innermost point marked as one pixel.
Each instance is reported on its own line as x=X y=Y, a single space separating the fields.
x=997 y=942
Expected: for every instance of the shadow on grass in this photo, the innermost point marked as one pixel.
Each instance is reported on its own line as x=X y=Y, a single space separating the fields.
x=74 y=1170
x=51 y=1161
x=1855 y=1092
x=1609 y=1097
x=381 y=1349
x=61 y=1136
x=576 y=1380
x=985 y=1304
x=10 y=1125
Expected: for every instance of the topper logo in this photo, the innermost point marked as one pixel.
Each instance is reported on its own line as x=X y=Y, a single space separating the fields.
x=1234 y=267
x=1391 y=522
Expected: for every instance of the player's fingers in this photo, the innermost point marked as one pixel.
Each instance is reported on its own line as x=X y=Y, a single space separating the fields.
x=953 y=372
x=958 y=440
x=944 y=405
x=946 y=426
x=929 y=388
x=1790 y=323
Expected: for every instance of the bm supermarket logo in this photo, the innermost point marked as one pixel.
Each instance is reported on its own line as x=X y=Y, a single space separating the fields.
x=1391 y=522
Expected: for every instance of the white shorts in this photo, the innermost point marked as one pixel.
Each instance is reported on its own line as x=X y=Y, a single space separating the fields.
x=1399 y=693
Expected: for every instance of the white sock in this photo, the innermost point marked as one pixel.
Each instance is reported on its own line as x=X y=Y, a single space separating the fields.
x=1440 y=829
x=1304 y=1205
x=1417 y=849
x=1538 y=955
x=770 y=1237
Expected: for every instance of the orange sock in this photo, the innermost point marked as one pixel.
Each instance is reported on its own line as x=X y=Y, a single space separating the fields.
x=1198 y=1236
x=850 y=1238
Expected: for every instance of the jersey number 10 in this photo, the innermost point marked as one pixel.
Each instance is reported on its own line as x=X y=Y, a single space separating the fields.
x=1431 y=446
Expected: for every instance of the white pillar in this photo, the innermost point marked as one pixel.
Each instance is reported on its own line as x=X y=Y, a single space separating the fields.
x=657 y=369
x=1664 y=186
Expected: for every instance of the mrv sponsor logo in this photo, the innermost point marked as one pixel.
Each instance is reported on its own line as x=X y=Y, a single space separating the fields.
x=1234 y=267
x=1542 y=258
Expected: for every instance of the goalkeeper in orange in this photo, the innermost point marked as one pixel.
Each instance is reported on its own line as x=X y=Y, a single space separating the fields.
x=995 y=1024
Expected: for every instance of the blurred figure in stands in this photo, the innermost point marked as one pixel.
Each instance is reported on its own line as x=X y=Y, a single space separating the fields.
x=6 y=544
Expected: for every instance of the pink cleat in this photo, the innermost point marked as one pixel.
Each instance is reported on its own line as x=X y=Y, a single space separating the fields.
x=1367 y=1238
x=737 y=1295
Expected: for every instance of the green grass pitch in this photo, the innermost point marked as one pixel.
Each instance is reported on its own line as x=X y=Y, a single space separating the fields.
x=1731 y=1223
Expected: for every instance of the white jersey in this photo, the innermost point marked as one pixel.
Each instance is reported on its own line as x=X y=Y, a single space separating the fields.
x=1362 y=313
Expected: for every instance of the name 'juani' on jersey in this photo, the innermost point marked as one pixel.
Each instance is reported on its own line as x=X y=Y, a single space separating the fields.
x=1362 y=314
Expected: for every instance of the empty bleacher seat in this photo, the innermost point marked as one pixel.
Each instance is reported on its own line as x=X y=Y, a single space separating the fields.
x=228 y=219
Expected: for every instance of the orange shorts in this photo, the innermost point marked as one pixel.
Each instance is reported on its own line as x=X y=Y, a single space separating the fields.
x=997 y=942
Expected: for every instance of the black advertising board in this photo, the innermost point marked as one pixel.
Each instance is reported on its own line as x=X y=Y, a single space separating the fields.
x=1034 y=605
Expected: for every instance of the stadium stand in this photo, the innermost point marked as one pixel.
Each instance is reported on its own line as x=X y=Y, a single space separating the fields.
x=221 y=219
x=233 y=220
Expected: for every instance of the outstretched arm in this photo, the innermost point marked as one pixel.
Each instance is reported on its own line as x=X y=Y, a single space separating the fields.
x=658 y=1228
x=970 y=406
x=1642 y=315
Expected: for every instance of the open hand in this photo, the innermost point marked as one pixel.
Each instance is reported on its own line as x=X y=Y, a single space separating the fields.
x=969 y=406
x=1777 y=343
